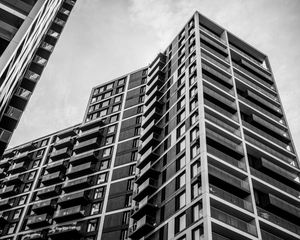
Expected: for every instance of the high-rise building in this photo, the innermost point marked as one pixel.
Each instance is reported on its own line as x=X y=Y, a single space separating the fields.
x=193 y=146
x=29 y=30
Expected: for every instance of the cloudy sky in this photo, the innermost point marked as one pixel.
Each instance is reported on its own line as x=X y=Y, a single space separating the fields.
x=105 y=39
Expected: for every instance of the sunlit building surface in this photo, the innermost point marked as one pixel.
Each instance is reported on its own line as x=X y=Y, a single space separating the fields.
x=193 y=146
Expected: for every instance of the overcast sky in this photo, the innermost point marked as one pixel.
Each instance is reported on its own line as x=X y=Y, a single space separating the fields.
x=105 y=39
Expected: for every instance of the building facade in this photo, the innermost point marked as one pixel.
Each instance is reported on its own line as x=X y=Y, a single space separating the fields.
x=193 y=146
x=29 y=30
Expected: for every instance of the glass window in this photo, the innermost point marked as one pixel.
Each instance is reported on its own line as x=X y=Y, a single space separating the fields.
x=12 y=228
x=31 y=175
x=121 y=81
x=181 y=92
x=103 y=112
x=101 y=178
x=195 y=168
x=36 y=163
x=40 y=153
x=44 y=142
x=107 y=94
x=17 y=213
x=181 y=162
x=105 y=103
x=114 y=118
x=107 y=152
x=194 y=134
x=111 y=129
x=181 y=180
x=101 y=89
x=180 y=223
x=194 y=118
x=118 y=98
x=22 y=199
x=92 y=225
x=195 y=150
x=193 y=79
x=193 y=56
x=124 y=234
x=197 y=212
x=109 y=140
x=181 y=70
x=27 y=187
x=180 y=201
x=126 y=217
x=120 y=89
x=181 y=103
x=193 y=105
x=181 y=146
x=95 y=208
x=197 y=233
x=109 y=86
x=196 y=190
x=181 y=130
x=99 y=193
x=193 y=91
x=181 y=116
x=104 y=164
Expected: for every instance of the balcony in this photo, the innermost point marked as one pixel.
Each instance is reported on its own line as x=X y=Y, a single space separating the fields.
x=8 y=191
x=3 y=173
x=53 y=178
x=4 y=138
x=158 y=62
x=278 y=221
x=69 y=214
x=231 y=198
x=22 y=157
x=87 y=145
x=39 y=221
x=157 y=73
x=149 y=155
x=154 y=93
x=217 y=76
x=11 y=117
x=229 y=182
x=60 y=154
x=152 y=140
x=154 y=104
x=74 y=199
x=49 y=192
x=155 y=114
x=233 y=221
x=212 y=50
x=275 y=183
x=146 y=188
x=18 y=167
x=64 y=143
x=29 y=80
x=41 y=235
x=204 y=31
x=257 y=71
x=13 y=180
x=20 y=98
x=71 y=186
x=269 y=236
x=4 y=163
x=57 y=166
x=144 y=207
x=146 y=172
x=142 y=227
x=3 y=220
x=89 y=134
x=83 y=158
x=224 y=144
x=216 y=61
x=5 y=204
x=158 y=81
x=45 y=206
x=65 y=232
x=93 y=124
x=81 y=170
x=152 y=127
x=71 y=132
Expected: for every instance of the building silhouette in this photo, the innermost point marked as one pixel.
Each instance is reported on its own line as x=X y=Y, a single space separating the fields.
x=29 y=30
x=193 y=146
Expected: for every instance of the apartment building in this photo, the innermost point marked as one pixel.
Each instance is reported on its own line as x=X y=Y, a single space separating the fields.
x=194 y=146
x=29 y=30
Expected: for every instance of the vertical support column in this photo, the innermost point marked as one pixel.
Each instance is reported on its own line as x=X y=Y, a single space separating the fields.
x=202 y=134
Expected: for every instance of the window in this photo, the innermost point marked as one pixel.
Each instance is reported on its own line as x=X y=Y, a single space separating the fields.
x=192 y=57
x=101 y=89
x=181 y=116
x=111 y=129
x=126 y=216
x=196 y=190
x=130 y=184
x=99 y=193
x=181 y=59
x=134 y=156
x=103 y=112
x=104 y=164
x=141 y=99
x=27 y=187
x=121 y=81
x=119 y=90
x=128 y=200
x=192 y=48
x=132 y=169
x=44 y=142
x=105 y=103
x=195 y=151
x=12 y=228
x=142 y=89
x=180 y=201
x=195 y=168
x=181 y=80
x=114 y=118
x=109 y=140
x=31 y=175
x=138 y=119
x=101 y=178
x=181 y=35
x=17 y=214
x=107 y=94
x=116 y=108
x=194 y=118
x=124 y=234
x=193 y=79
x=36 y=163
x=92 y=225
x=40 y=153
x=193 y=105
x=194 y=134
x=22 y=199
x=193 y=91
x=118 y=98
x=181 y=104
x=137 y=131
x=140 y=109
x=180 y=181
x=95 y=208
x=181 y=146
x=181 y=70
x=135 y=143
x=180 y=223
x=107 y=152
x=197 y=233
x=181 y=162
x=181 y=51
x=181 y=130
x=197 y=212
x=181 y=92
x=192 y=68
x=109 y=86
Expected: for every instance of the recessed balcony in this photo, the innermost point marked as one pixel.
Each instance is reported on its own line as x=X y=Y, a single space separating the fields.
x=22 y=157
x=18 y=167
x=5 y=204
x=69 y=214
x=13 y=180
x=81 y=170
x=71 y=132
x=89 y=134
x=53 y=178
x=11 y=117
x=8 y=191
x=142 y=227
x=3 y=219
x=77 y=184
x=60 y=154
x=74 y=199
x=83 y=158
x=57 y=166
x=49 y=192
x=146 y=188
x=149 y=155
x=145 y=206
x=39 y=221
x=65 y=232
x=65 y=142
x=146 y=172
x=93 y=124
x=45 y=206
x=158 y=62
x=87 y=145
x=41 y=235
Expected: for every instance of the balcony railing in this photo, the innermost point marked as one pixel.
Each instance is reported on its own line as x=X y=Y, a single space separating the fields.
x=233 y=221
x=214 y=52
x=227 y=87
x=278 y=221
x=81 y=170
x=142 y=227
x=220 y=110
x=269 y=236
x=49 y=192
x=68 y=214
x=39 y=221
x=65 y=232
x=77 y=184
x=214 y=61
x=210 y=33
